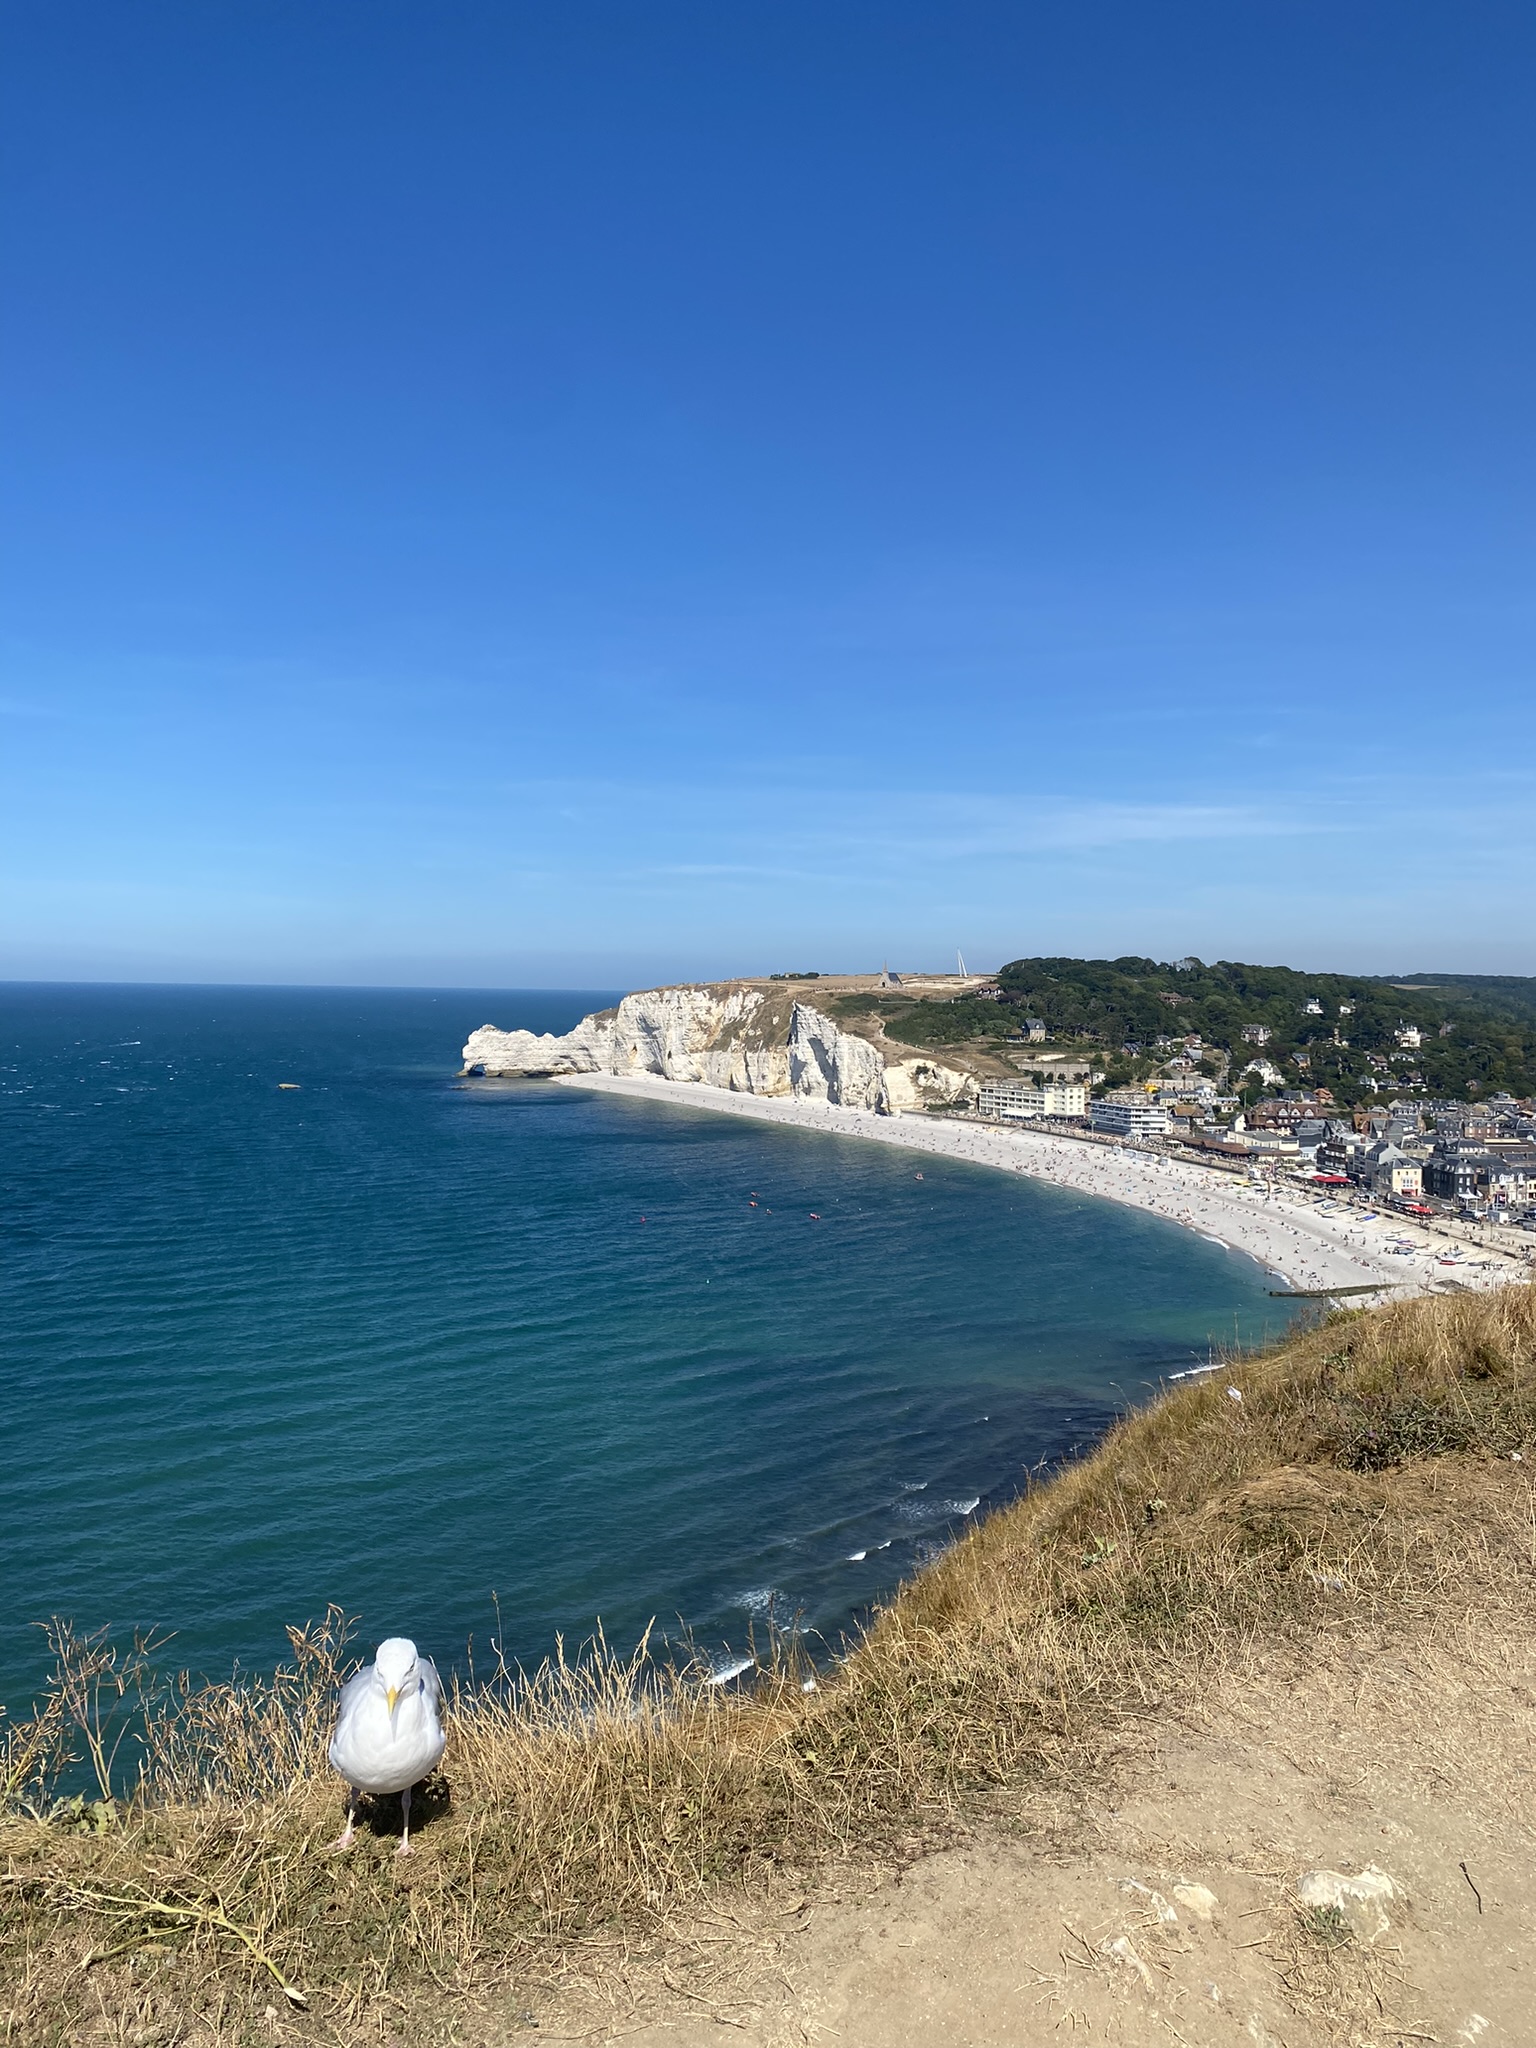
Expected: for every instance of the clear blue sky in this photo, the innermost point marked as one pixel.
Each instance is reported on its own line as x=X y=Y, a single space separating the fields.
x=587 y=493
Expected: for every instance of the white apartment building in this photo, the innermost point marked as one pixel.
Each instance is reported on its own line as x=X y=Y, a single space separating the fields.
x=1129 y=1114
x=1021 y=1098
x=1187 y=1088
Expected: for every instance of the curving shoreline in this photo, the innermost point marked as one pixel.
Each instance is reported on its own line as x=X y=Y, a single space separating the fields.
x=1283 y=1230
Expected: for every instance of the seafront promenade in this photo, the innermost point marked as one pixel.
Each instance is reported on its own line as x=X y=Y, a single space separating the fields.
x=1306 y=1247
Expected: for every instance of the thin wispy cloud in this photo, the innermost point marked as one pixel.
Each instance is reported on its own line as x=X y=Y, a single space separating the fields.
x=903 y=825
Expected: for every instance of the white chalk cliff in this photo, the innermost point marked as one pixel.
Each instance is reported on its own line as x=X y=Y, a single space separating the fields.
x=726 y=1035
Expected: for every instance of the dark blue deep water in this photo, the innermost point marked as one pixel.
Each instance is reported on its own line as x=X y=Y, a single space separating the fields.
x=405 y=1343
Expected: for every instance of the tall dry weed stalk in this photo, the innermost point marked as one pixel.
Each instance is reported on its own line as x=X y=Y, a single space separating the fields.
x=1371 y=1463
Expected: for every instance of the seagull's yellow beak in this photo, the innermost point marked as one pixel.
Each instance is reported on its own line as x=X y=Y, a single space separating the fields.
x=391 y=1693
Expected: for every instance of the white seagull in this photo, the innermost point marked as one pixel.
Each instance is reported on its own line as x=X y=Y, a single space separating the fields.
x=389 y=1730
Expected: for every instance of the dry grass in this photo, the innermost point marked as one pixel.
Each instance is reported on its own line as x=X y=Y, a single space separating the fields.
x=1370 y=1463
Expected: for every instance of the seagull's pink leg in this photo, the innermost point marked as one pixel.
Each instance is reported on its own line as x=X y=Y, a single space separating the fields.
x=405 y=1823
x=344 y=1839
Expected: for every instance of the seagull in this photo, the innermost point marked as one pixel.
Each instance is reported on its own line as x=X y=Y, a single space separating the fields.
x=389 y=1731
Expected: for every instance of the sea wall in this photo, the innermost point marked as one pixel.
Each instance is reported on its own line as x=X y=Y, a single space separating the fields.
x=729 y=1035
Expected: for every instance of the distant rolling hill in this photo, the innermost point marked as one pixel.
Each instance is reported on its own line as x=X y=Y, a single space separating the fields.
x=1365 y=1037
x=1513 y=994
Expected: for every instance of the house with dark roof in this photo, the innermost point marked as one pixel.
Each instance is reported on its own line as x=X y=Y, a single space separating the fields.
x=1458 y=1172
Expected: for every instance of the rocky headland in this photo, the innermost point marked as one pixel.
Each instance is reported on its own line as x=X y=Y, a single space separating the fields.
x=750 y=1038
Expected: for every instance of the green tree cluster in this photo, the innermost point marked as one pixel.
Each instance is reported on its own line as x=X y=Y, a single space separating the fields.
x=1340 y=1031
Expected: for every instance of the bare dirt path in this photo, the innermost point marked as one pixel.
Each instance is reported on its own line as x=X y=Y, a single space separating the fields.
x=1415 y=1758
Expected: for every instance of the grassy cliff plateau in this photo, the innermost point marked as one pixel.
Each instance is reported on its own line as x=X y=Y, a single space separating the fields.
x=963 y=1025
x=1366 y=1480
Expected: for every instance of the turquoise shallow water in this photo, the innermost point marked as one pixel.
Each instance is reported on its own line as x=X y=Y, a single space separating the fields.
x=405 y=1343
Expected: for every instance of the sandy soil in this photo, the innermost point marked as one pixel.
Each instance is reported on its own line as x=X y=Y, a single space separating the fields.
x=1306 y=1245
x=1414 y=1758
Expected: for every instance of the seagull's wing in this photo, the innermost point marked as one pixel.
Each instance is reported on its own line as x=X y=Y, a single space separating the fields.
x=353 y=1691
x=433 y=1684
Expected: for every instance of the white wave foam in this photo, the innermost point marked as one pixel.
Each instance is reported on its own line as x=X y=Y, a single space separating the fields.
x=963 y=1507
x=726 y=1672
x=857 y=1556
x=763 y=1600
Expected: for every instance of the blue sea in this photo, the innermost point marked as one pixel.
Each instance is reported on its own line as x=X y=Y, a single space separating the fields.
x=442 y=1350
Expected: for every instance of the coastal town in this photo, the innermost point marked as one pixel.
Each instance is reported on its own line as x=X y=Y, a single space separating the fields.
x=1246 y=1094
x=1462 y=1171
x=1468 y=1162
